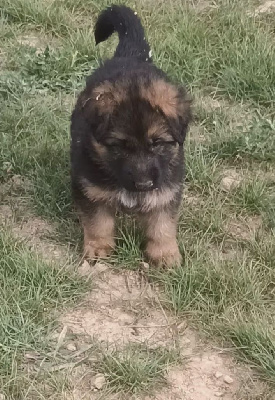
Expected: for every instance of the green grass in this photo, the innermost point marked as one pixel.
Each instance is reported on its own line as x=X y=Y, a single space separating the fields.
x=49 y=16
x=31 y=290
x=255 y=141
x=226 y=57
x=136 y=369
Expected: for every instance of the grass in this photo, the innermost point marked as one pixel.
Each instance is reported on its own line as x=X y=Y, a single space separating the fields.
x=254 y=141
x=226 y=57
x=30 y=290
x=49 y=17
x=137 y=369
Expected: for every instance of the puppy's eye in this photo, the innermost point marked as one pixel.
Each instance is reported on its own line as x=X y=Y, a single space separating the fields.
x=156 y=143
x=159 y=142
x=115 y=144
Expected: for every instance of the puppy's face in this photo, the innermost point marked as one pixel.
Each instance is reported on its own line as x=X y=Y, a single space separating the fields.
x=138 y=135
x=138 y=154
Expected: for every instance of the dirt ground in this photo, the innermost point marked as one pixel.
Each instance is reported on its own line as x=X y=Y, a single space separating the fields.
x=123 y=307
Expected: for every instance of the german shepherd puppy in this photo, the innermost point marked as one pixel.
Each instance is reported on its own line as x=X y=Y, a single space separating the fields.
x=127 y=135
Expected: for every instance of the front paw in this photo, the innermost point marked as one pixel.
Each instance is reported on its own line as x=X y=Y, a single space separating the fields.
x=98 y=248
x=163 y=254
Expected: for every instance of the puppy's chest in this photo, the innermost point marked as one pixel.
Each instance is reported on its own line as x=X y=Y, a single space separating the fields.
x=131 y=202
x=142 y=202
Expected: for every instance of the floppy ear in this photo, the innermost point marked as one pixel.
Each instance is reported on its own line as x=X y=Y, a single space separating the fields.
x=97 y=104
x=184 y=113
x=173 y=103
x=107 y=96
x=103 y=99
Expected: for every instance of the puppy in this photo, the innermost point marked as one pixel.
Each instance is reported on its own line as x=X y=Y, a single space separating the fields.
x=127 y=134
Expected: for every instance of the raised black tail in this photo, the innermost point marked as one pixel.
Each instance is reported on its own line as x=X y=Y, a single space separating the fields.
x=125 y=22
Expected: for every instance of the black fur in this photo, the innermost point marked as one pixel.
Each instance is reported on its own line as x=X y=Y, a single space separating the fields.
x=132 y=41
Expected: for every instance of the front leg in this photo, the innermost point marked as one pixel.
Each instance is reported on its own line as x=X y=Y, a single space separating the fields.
x=98 y=226
x=161 y=231
x=98 y=222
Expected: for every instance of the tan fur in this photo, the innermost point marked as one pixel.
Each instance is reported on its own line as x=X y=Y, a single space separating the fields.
x=104 y=97
x=163 y=95
x=175 y=154
x=142 y=202
x=99 y=148
x=159 y=93
x=99 y=233
x=160 y=226
x=161 y=232
x=96 y=194
x=147 y=201
x=107 y=96
x=158 y=131
x=118 y=135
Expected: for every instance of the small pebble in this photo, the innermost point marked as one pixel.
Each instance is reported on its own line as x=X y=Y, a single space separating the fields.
x=93 y=359
x=228 y=183
x=71 y=347
x=218 y=394
x=84 y=269
x=228 y=379
x=144 y=266
x=32 y=356
x=99 y=268
x=98 y=381
x=182 y=326
x=218 y=375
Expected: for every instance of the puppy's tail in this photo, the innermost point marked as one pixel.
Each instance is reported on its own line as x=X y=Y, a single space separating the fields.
x=124 y=21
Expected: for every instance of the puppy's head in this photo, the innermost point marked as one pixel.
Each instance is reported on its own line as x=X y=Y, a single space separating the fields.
x=137 y=131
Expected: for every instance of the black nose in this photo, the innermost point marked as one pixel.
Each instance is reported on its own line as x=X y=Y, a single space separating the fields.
x=144 y=185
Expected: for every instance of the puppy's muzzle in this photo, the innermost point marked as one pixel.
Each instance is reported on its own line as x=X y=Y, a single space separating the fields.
x=143 y=186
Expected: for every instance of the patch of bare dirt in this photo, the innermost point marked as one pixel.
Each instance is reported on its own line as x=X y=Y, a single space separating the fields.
x=235 y=112
x=37 y=41
x=199 y=5
x=206 y=377
x=244 y=229
x=209 y=103
x=29 y=40
x=191 y=198
x=121 y=310
x=33 y=229
x=202 y=5
x=224 y=253
x=197 y=134
x=230 y=180
x=124 y=308
x=267 y=7
x=17 y=217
